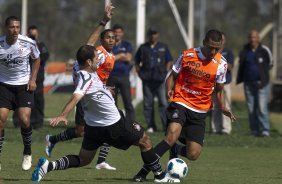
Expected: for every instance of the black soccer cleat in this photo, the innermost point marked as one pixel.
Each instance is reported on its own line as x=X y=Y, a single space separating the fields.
x=138 y=178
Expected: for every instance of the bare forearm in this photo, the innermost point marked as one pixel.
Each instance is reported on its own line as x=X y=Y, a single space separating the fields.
x=70 y=105
x=95 y=35
x=35 y=68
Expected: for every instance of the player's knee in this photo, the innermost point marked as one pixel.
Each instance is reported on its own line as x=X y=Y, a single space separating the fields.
x=193 y=154
x=79 y=131
x=171 y=139
x=145 y=142
x=172 y=136
x=24 y=121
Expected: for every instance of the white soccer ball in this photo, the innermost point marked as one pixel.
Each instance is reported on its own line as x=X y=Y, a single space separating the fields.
x=177 y=168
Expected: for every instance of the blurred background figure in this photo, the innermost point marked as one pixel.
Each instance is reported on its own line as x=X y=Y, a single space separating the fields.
x=221 y=124
x=37 y=111
x=254 y=65
x=153 y=61
x=119 y=77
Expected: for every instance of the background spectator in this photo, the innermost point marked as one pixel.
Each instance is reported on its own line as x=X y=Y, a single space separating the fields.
x=153 y=60
x=119 y=77
x=254 y=65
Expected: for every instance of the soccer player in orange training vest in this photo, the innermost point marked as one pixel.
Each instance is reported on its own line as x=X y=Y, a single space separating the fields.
x=194 y=76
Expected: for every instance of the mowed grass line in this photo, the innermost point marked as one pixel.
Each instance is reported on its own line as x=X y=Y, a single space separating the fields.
x=235 y=159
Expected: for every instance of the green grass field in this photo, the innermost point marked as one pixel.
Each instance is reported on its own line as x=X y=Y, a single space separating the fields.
x=235 y=159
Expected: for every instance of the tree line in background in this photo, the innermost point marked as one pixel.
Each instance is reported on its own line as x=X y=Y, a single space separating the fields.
x=65 y=24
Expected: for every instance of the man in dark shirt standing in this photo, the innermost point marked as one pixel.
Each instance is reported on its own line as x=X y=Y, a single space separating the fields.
x=255 y=63
x=153 y=60
x=119 y=76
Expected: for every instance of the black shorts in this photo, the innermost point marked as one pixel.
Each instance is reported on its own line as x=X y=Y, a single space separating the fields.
x=79 y=115
x=193 y=123
x=120 y=135
x=15 y=96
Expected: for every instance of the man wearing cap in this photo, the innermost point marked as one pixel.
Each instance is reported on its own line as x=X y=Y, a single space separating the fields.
x=152 y=61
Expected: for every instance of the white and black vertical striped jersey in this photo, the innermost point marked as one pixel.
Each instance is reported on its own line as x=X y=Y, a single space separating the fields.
x=14 y=60
x=97 y=101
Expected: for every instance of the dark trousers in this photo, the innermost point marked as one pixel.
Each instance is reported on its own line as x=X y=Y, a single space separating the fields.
x=37 y=111
x=122 y=86
x=150 y=90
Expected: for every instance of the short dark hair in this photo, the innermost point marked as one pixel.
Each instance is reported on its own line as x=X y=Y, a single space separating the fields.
x=117 y=26
x=11 y=18
x=85 y=52
x=214 y=35
x=102 y=35
x=32 y=27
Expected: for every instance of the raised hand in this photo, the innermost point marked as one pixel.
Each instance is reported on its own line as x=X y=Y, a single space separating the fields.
x=108 y=13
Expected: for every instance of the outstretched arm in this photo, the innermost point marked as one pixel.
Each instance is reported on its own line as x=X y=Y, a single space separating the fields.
x=95 y=34
x=220 y=100
x=67 y=109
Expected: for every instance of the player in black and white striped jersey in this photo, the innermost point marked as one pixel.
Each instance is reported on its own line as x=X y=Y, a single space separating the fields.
x=17 y=82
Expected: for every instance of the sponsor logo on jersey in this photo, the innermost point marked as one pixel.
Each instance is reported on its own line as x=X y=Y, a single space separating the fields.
x=12 y=63
x=191 y=91
x=192 y=68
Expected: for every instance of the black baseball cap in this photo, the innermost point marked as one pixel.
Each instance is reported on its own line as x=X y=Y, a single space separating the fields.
x=152 y=30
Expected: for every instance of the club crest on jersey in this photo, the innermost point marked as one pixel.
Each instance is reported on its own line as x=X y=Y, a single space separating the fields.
x=24 y=44
x=20 y=51
x=175 y=114
x=136 y=126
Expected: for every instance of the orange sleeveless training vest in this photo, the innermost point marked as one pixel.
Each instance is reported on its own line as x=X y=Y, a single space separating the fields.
x=196 y=80
x=105 y=69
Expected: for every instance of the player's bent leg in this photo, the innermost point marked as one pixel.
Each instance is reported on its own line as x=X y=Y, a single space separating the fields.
x=26 y=131
x=145 y=143
x=86 y=156
x=70 y=161
x=193 y=150
x=152 y=161
x=173 y=132
x=68 y=134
